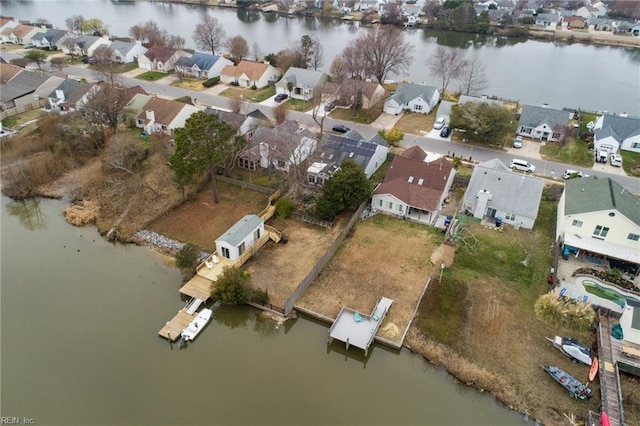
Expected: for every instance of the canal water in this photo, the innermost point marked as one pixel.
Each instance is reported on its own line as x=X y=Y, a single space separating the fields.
x=79 y=346
x=535 y=72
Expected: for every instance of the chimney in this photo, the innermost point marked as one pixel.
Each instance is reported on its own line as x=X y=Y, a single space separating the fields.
x=545 y=105
x=151 y=116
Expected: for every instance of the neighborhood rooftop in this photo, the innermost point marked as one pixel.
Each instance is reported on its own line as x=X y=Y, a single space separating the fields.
x=240 y=230
x=533 y=116
x=408 y=91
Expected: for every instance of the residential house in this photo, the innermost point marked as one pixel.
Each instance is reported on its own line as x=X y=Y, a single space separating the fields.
x=240 y=237
x=334 y=149
x=414 y=188
x=20 y=34
x=201 y=65
x=161 y=58
x=49 y=39
x=163 y=115
x=547 y=19
x=412 y=97
x=600 y=216
x=7 y=22
x=250 y=74
x=70 y=95
x=300 y=83
x=278 y=147
x=494 y=191
x=126 y=52
x=83 y=44
x=600 y=24
x=25 y=88
x=118 y=98
x=350 y=90
x=602 y=8
x=8 y=71
x=135 y=105
x=245 y=124
x=571 y=22
x=613 y=132
x=546 y=124
x=588 y=12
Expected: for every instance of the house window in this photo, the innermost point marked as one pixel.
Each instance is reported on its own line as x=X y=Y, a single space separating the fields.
x=577 y=223
x=400 y=209
x=417 y=107
x=526 y=130
x=390 y=205
x=380 y=202
x=241 y=249
x=635 y=145
x=140 y=122
x=256 y=234
x=312 y=179
x=633 y=237
x=510 y=216
x=281 y=163
x=225 y=252
x=600 y=231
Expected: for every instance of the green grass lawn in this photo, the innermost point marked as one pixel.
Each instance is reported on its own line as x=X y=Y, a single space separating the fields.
x=249 y=94
x=152 y=75
x=575 y=151
x=363 y=116
x=298 y=105
x=631 y=163
x=585 y=118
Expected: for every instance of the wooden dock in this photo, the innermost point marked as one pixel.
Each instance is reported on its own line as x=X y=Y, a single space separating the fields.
x=172 y=330
x=609 y=376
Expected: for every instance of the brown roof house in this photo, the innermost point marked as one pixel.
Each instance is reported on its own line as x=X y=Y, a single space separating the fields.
x=278 y=147
x=349 y=90
x=20 y=34
x=161 y=58
x=248 y=74
x=162 y=115
x=7 y=72
x=414 y=188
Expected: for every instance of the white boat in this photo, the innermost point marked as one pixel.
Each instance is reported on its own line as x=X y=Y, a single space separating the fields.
x=195 y=326
x=573 y=349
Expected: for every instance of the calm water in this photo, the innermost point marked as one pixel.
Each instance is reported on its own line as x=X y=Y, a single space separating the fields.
x=534 y=72
x=79 y=343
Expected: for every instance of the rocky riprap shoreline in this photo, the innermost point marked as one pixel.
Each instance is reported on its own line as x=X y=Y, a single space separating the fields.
x=163 y=244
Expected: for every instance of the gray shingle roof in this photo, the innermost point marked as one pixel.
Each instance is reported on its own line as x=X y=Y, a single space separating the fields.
x=619 y=127
x=534 y=116
x=240 y=230
x=204 y=61
x=592 y=194
x=122 y=46
x=52 y=35
x=85 y=41
x=301 y=77
x=512 y=192
x=409 y=91
x=23 y=83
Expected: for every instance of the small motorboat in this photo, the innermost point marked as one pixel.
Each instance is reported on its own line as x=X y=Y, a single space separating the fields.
x=196 y=326
x=594 y=369
x=573 y=349
x=575 y=388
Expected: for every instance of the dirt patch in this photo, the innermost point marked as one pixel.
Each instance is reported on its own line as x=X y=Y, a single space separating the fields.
x=384 y=257
x=443 y=255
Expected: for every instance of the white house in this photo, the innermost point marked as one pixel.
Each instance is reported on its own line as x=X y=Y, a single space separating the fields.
x=494 y=191
x=126 y=52
x=201 y=65
x=414 y=188
x=412 y=97
x=70 y=95
x=26 y=87
x=160 y=58
x=20 y=34
x=613 y=132
x=240 y=237
x=600 y=216
x=249 y=73
x=82 y=44
x=543 y=123
x=301 y=83
x=162 y=115
x=48 y=39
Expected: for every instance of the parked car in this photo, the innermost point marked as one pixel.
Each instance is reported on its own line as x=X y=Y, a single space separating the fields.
x=329 y=106
x=440 y=122
x=445 y=132
x=570 y=174
x=280 y=97
x=522 y=165
x=602 y=155
x=29 y=46
x=616 y=160
x=339 y=128
x=88 y=60
x=517 y=142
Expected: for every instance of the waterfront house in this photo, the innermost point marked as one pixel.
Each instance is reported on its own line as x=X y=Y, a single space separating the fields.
x=160 y=58
x=82 y=44
x=70 y=95
x=20 y=34
x=126 y=52
x=543 y=123
x=201 y=65
x=334 y=149
x=278 y=147
x=613 y=132
x=600 y=216
x=414 y=188
x=7 y=22
x=494 y=191
x=49 y=39
x=351 y=90
x=412 y=97
x=240 y=237
x=547 y=19
x=249 y=74
x=163 y=115
x=571 y=22
x=302 y=84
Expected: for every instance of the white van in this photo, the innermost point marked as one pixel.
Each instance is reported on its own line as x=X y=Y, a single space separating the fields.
x=523 y=166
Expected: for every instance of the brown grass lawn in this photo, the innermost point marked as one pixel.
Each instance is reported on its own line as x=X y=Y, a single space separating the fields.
x=201 y=221
x=190 y=84
x=363 y=116
x=248 y=94
x=383 y=257
x=416 y=123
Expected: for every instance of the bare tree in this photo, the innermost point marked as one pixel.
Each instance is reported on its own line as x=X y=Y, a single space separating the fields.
x=149 y=33
x=384 y=50
x=235 y=105
x=290 y=58
x=355 y=63
x=447 y=65
x=209 y=34
x=238 y=48
x=473 y=80
x=280 y=114
x=256 y=51
x=316 y=56
x=58 y=63
x=317 y=113
x=176 y=41
x=105 y=64
x=74 y=23
x=69 y=43
x=338 y=69
x=42 y=21
x=106 y=106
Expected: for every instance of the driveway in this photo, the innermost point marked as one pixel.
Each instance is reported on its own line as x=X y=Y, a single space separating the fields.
x=530 y=149
x=608 y=168
x=386 y=121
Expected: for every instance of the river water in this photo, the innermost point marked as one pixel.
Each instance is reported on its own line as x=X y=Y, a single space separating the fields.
x=534 y=72
x=79 y=346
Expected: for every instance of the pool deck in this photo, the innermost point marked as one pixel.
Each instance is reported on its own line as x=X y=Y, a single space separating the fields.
x=359 y=332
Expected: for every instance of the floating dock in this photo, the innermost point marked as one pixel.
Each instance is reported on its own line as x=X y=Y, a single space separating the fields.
x=173 y=329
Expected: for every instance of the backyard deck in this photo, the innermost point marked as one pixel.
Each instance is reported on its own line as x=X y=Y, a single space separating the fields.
x=358 y=329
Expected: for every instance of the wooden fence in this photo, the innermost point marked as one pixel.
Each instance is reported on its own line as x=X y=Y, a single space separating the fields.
x=312 y=220
x=306 y=282
x=247 y=185
x=10 y=112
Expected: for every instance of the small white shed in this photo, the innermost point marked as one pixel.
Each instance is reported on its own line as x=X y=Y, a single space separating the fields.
x=240 y=237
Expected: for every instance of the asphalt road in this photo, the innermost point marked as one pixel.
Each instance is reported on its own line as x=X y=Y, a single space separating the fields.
x=437 y=145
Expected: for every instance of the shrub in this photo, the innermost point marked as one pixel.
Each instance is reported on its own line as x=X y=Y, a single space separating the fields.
x=185 y=100
x=456 y=162
x=187 y=256
x=564 y=312
x=229 y=288
x=393 y=136
x=284 y=207
x=235 y=83
x=211 y=82
x=254 y=87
